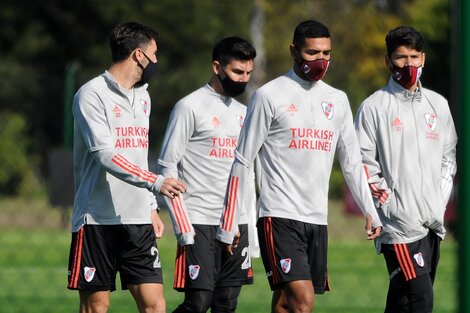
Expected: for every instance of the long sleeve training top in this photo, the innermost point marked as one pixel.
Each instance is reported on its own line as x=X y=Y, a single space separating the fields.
x=408 y=144
x=295 y=126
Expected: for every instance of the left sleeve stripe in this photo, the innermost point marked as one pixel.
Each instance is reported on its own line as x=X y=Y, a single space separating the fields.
x=135 y=170
x=229 y=210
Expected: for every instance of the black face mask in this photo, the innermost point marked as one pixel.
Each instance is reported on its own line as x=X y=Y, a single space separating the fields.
x=147 y=72
x=231 y=87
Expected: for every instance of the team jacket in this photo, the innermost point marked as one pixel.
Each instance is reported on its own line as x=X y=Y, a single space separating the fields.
x=112 y=180
x=295 y=127
x=198 y=148
x=408 y=146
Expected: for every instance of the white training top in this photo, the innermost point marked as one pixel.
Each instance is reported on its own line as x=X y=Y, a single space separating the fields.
x=295 y=126
x=198 y=148
x=110 y=155
x=408 y=144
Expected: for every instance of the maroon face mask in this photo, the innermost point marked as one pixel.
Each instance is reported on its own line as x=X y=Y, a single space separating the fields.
x=406 y=75
x=314 y=70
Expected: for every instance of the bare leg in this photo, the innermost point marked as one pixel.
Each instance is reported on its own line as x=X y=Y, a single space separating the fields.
x=94 y=301
x=298 y=295
x=148 y=297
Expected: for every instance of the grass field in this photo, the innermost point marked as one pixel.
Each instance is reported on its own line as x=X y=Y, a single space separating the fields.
x=33 y=273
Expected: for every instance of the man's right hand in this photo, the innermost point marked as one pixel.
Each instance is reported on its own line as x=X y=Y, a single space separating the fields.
x=172 y=187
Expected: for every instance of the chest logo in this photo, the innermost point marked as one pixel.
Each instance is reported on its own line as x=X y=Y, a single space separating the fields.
x=397 y=124
x=431 y=120
x=117 y=111
x=145 y=106
x=328 y=110
x=215 y=122
x=292 y=109
x=241 y=119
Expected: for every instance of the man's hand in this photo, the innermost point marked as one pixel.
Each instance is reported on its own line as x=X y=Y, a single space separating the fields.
x=229 y=247
x=371 y=233
x=172 y=187
x=158 y=226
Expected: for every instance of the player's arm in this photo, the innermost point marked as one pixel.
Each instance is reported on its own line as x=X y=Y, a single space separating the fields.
x=178 y=132
x=365 y=131
x=252 y=137
x=449 y=164
x=90 y=115
x=351 y=163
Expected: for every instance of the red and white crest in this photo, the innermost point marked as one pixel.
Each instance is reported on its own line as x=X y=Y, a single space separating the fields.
x=194 y=271
x=145 y=107
x=285 y=265
x=89 y=273
x=215 y=122
x=328 y=109
x=431 y=119
x=419 y=259
x=241 y=119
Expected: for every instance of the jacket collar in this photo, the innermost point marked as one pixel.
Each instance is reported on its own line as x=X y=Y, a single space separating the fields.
x=402 y=94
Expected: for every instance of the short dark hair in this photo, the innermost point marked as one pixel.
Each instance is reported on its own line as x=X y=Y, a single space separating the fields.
x=127 y=37
x=404 y=36
x=233 y=48
x=309 y=29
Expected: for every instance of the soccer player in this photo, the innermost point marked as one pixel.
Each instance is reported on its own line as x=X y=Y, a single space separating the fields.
x=198 y=148
x=115 y=206
x=408 y=144
x=295 y=123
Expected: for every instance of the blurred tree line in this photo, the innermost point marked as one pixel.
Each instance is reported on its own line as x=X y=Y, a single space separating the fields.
x=40 y=39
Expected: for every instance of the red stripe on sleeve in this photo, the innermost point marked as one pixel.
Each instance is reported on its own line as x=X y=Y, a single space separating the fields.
x=181 y=218
x=229 y=210
x=135 y=170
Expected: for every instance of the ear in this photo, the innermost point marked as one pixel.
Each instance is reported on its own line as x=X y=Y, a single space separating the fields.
x=388 y=62
x=216 y=67
x=424 y=59
x=293 y=52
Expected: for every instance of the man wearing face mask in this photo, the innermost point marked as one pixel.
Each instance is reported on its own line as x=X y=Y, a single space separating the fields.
x=408 y=144
x=198 y=147
x=115 y=216
x=294 y=124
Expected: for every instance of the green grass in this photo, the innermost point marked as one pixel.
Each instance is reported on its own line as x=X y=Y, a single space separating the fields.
x=33 y=273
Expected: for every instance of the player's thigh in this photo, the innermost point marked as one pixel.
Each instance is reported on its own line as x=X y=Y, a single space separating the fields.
x=283 y=246
x=92 y=259
x=317 y=249
x=236 y=269
x=139 y=259
x=197 y=265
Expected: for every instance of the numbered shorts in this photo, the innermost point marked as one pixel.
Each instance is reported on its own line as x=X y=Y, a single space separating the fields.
x=293 y=250
x=206 y=265
x=98 y=252
x=413 y=259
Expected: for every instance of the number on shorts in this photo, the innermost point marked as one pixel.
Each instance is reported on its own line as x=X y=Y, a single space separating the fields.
x=156 y=263
x=247 y=262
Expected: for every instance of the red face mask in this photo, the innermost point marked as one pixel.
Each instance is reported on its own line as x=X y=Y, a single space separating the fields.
x=314 y=70
x=407 y=75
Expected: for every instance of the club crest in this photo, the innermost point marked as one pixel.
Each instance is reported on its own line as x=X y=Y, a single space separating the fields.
x=431 y=119
x=194 y=271
x=285 y=265
x=419 y=259
x=89 y=273
x=328 y=110
x=145 y=107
